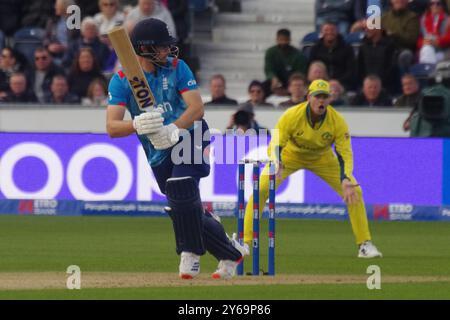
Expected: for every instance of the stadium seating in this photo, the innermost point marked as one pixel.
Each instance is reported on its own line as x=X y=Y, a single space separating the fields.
x=308 y=41
x=199 y=5
x=27 y=40
x=235 y=43
x=355 y=40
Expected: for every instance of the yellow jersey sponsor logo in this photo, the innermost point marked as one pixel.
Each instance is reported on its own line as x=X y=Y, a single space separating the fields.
x=327 y=136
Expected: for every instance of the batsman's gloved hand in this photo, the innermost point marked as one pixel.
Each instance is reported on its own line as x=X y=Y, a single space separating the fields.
x=166 y=137
x=149 y=122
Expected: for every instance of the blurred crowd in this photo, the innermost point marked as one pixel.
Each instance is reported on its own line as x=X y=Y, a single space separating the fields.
x=368 y=65
x=386 y=65
x=43 y=61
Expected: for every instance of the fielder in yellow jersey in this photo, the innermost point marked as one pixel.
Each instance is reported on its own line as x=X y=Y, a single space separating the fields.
x=306 y=133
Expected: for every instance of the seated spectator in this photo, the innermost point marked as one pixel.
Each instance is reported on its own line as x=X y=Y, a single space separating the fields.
x=89 y=39
x=337 y=55
x=109 y=16
x=317 y=70
x=257 y=98
x=280 y=62
x=217 y=87
x=44 y=71
x=372 y=94
x=59 y=37
x=297 y=89
x=9 y=63
x=59 y=91
x=360 y=10
x=337 y=94
x=84 y=70
x=18 y=91
x=151 y=9
x=402 y=25
x=434 y=33
x=411 y=92
x=377 y=56
x=340 y=12
x=97 y=94
x=410 y=98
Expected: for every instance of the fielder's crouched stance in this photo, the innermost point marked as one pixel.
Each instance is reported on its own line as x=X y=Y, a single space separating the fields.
x=306 y=133
x=179 y=107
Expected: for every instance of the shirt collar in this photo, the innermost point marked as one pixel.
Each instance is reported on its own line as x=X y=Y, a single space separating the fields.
x=308 y=116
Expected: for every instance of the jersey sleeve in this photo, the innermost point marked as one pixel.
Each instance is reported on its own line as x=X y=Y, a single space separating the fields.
x=343 y=148
x=281 y=134
x=117 y=92
x=185 y=78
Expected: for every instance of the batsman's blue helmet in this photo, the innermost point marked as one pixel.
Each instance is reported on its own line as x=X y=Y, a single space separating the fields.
x=151 y=32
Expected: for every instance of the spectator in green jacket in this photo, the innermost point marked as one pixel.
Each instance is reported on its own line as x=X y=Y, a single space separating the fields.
x=280 y=62
x=402 y=25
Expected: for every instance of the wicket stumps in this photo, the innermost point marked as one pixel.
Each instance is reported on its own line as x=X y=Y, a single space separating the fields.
x=256 y=227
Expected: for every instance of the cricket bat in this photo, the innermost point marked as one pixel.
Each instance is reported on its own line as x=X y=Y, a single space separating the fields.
x=141 y=90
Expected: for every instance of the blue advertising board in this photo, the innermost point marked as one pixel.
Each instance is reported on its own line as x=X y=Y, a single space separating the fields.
x=94 y=167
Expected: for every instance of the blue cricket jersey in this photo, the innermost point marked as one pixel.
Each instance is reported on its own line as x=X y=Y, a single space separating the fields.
x=167 y=85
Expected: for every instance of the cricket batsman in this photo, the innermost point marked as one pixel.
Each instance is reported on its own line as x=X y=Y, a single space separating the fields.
x=306 y=133
x=179 y=107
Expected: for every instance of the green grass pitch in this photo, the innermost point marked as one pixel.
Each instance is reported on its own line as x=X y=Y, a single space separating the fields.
x=416 y=260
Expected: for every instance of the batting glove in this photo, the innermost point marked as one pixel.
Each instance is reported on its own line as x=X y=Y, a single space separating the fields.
x=149 y=122
x=166 y=137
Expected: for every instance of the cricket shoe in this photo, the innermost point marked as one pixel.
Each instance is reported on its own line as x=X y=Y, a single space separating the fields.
x=227 y=268
x=368 y=250
x=189 y=265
